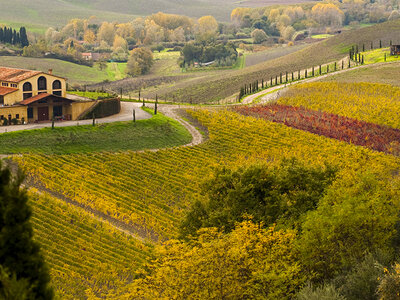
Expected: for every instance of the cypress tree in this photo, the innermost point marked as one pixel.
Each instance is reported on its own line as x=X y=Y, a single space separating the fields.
x=320 y=69
x=19 y=254
x=271 y=80
x=23 y=37
x=342 y=64
x=372 y=45
x=380 y=43
x=313 y=71
x=363 y=47
x=305 y=73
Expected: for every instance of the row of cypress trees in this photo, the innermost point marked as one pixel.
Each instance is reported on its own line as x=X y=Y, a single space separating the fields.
x=9 y=35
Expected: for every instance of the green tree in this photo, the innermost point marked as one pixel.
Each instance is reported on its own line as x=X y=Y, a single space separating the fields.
x=139 y=62
x=270 y=194
x=259 y=36
x=357 y=215
x=18 y=252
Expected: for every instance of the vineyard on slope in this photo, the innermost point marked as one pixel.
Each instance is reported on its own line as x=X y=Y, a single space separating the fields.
x=375 y=103
x=84 y=254
x=373 y=136
x=152 y=190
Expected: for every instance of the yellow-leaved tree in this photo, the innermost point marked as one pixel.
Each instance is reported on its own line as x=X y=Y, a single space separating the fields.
x=206 y=28
x=248 y=262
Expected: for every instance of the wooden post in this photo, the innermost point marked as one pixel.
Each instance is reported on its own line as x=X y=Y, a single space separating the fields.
x=94 y=119
x=52 y=122
x=134 y=116
x=155 y=105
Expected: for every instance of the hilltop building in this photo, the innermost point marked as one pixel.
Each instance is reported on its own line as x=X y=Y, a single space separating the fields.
x=32 y=96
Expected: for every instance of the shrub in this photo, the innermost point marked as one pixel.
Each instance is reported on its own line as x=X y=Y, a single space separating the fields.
x=324 y=292
x=389 y=287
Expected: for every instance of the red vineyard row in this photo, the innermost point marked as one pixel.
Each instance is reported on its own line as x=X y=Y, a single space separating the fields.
x=373 y=136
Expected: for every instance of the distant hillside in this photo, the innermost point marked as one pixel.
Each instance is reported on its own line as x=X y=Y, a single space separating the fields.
x=228 y=83
x=57 y=12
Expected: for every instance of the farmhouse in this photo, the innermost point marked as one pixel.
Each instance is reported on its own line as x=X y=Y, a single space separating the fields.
x=34 y=96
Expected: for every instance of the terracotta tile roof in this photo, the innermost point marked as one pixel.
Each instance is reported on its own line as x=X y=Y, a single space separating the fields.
x=6 y=90
x=34 y=99
x=41 y=97
x=16 y=75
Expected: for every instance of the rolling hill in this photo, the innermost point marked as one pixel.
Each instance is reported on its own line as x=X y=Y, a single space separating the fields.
x=58 y=12
x=226 y=84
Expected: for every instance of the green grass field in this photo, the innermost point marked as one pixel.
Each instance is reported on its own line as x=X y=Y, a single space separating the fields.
x=73 y=72
x=154 y=133
x=116 y=71
x=321 y=36
x=378 y=55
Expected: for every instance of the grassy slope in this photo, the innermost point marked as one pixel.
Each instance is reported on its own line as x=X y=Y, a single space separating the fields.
x=44 y=13
x=58 y=12
x=388 y=73
x=74 y=72
x=227 y=83
x=157 y=132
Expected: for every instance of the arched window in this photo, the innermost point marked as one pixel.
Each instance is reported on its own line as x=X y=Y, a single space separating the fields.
x=56 y=85
x=27 y=87
x=42 y=83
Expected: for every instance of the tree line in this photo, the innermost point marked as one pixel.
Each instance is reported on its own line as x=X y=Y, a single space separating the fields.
x=8 y=35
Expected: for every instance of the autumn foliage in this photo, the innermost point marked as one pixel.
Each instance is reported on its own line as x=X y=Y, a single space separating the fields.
x=373 y=136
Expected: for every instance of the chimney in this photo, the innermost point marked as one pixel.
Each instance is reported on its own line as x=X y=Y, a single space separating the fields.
x=51 y=71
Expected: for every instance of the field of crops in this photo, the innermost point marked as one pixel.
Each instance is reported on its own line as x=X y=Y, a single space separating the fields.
x=373 y=136
x=152 y=190
x=85 y=256
x=375 y=103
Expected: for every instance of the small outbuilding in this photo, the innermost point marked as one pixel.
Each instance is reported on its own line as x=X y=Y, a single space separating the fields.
x=395 y=50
